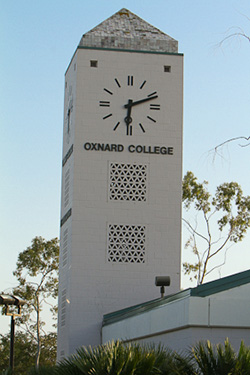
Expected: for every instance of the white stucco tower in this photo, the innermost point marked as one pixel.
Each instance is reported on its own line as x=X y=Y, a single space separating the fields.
x=121 y=174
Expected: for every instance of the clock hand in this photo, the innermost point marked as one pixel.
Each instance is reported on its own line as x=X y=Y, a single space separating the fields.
x=131 y=103
x=128 y=118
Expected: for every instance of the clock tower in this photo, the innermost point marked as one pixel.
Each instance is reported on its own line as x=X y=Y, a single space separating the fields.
x=121 y=174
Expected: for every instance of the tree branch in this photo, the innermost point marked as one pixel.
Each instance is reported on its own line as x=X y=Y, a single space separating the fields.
x=193 y=230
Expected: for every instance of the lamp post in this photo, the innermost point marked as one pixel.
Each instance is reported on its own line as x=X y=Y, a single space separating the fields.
x=10 y=300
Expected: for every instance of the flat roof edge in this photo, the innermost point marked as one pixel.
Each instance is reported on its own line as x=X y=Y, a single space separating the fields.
x=220 y=285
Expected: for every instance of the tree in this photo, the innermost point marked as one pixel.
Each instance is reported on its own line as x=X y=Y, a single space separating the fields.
x=25 y=352
x=228 y=207
x=37 y=274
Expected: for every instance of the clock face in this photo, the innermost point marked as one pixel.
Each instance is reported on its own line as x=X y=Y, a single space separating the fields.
x=129 y=105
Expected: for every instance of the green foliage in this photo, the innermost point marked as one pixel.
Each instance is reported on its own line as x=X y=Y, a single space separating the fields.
x=25 y=350
x=42 y=370
x=232 y=212
x=40 y=260
x=214 y=360
x=116 y=358
x=221 y=359
x=37 y=274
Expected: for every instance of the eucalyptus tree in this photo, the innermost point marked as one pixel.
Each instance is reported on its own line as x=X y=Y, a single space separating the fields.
x=229 y=209
x=37 y=275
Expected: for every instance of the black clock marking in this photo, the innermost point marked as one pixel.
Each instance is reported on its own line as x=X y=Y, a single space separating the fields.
x=153 y=93
x=155 y=107
x=116 y=126
x=117 y=82
x=142 y=128
x=104 y=103
x=130 y=80
x=150 y=118
x=129 y=129
x=108 y=91
x=107 y=116
x=142 y=85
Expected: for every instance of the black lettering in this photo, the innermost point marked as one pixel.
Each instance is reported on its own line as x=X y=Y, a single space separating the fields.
x=87 y=146
x=113 y=147
x=131 y=148
x=107 y=148
x=93 y=146
x=163 y=150
x=170 y=151
x=156 y=149
x=120 y=148
x=139 y=149
x=100 y=147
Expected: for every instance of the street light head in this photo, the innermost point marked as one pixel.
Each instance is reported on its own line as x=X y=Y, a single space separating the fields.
x=7 y=300
x=10 y=300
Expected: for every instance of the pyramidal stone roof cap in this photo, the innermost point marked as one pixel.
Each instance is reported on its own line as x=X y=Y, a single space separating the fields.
x=126 y=31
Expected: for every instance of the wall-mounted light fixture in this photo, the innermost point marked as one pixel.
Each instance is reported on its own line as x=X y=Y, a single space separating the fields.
x=162 y=281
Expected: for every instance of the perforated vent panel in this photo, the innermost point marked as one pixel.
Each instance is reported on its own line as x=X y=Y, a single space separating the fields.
x=128 y=182
x=66 y=188
x=63 y=308
x=65 y=247
x=126 y=243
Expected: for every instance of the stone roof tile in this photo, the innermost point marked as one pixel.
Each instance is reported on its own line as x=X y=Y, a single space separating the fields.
x=125 y=30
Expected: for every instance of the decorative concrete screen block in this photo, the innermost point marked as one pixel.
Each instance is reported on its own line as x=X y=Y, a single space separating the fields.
x=126 y=243
x=128 y=182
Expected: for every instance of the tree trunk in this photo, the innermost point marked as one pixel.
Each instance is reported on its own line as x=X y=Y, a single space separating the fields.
x=38 y=334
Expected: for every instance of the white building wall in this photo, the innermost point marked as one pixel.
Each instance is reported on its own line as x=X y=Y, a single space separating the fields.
x=183 y=322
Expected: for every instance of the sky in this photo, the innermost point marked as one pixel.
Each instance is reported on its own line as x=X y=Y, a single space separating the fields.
x=38 y=39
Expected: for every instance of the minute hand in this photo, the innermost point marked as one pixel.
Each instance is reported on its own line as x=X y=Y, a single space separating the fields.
x=131 y=104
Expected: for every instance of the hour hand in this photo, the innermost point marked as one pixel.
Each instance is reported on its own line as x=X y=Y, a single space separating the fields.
x=128 y=118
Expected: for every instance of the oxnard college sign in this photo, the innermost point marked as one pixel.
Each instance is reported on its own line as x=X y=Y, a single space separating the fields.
x=140 y=149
